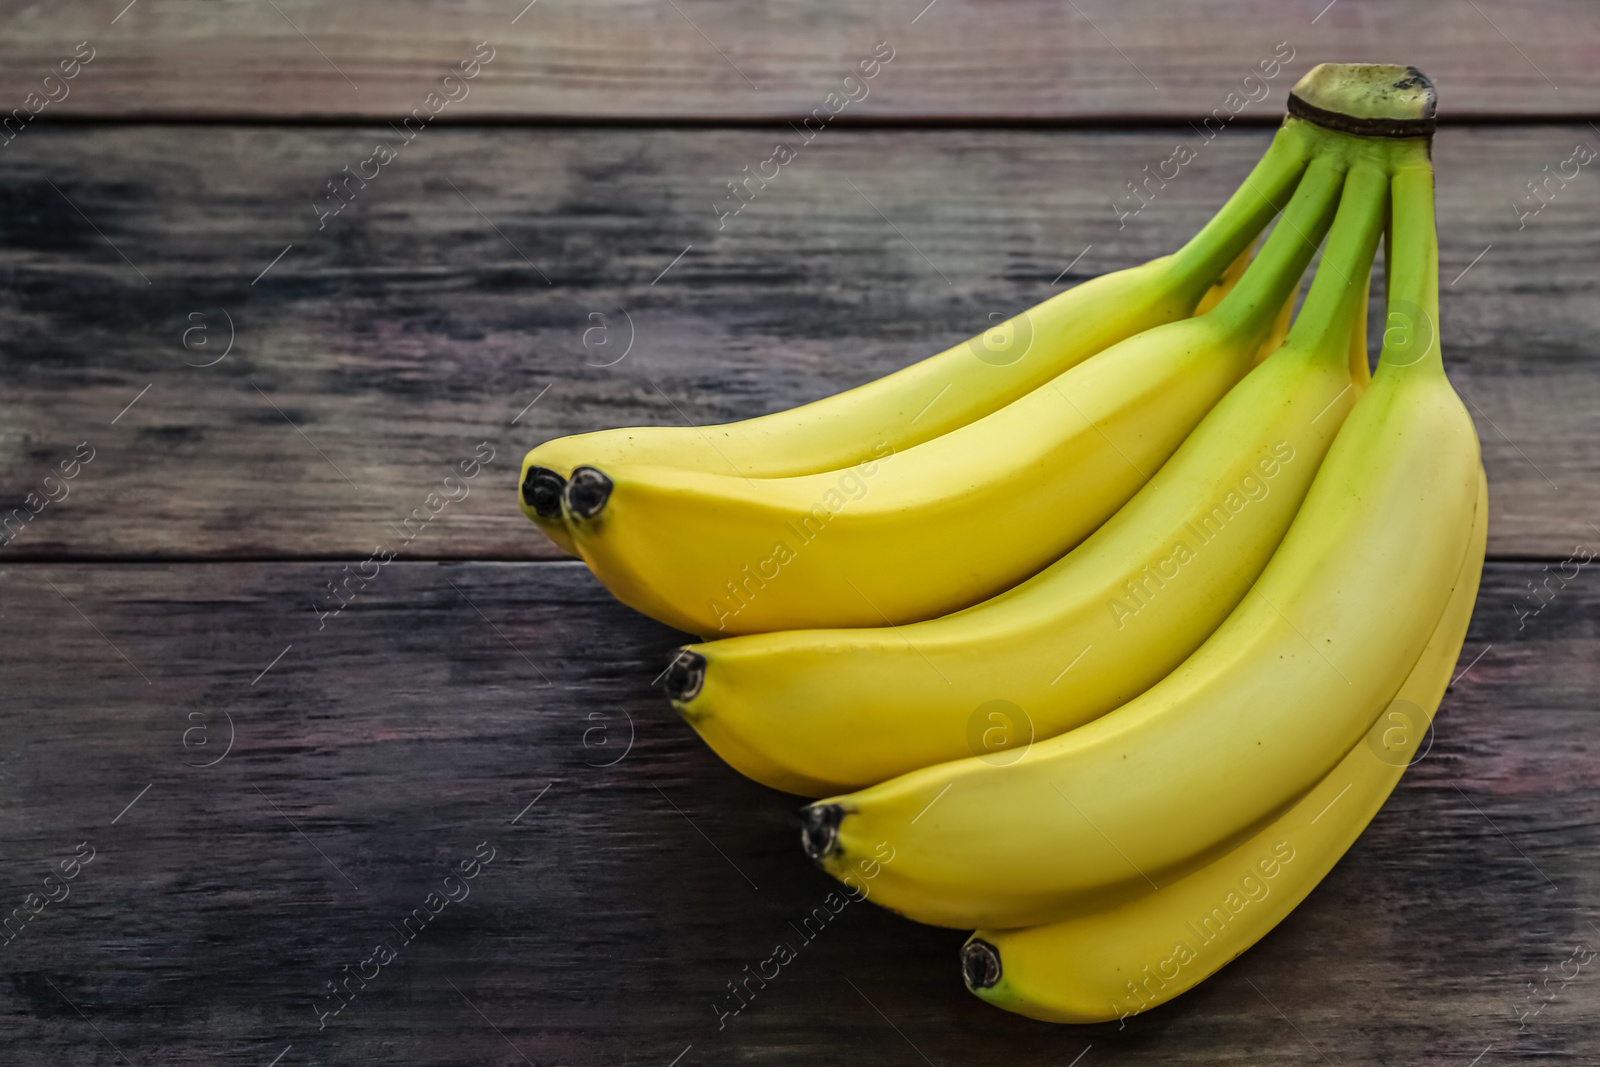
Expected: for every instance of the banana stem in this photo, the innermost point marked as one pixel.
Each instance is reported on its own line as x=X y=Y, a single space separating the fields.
x=1239 y=221
x=1282 y=260
x=1411 y=317
x=1338 y=285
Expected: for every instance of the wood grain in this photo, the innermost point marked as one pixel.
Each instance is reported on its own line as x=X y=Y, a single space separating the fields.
x=699 y=58
x=382 y=749
x=270 y=789
x=377 y=354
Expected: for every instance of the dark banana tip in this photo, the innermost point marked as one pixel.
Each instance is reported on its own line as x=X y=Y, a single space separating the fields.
x=587 y=492
x=819 y=829
x=980 y=964
x=685 y=675
x=541 y=491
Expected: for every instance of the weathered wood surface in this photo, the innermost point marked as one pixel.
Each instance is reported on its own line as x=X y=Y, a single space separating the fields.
x=376 y=354
x=700 y=58
x=381 y=750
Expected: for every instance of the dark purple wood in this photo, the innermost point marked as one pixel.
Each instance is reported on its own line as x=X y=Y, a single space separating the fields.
x=697 y=59
x=379 y=752
x=378 y=353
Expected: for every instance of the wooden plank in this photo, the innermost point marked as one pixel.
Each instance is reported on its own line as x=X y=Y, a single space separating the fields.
x=372 y=357
x=699 y=58
x=382 y=749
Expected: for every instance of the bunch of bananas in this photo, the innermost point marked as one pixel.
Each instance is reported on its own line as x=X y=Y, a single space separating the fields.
x=1116 y=624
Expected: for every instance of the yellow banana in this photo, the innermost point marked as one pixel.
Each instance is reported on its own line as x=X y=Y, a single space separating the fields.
x=1135 y=955
x=1295 y=676
x=542 y=486
x=1224 y=284
x=953 y=388
x=982 y=507
x=1280 y=330
x=823 y=711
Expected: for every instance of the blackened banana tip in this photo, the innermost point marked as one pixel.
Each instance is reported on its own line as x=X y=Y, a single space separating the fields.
x=685 y=675
x=587 y=492
x=819 y=829
x=980 y=964
x=541 y=491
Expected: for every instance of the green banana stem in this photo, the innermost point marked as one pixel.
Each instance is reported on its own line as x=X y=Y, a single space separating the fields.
x=1239 y=221
x=1411 y=317
x=1341 y=279
x=1255 y=301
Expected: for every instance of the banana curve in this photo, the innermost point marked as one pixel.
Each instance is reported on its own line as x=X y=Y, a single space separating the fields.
x=825 y=711
x=1145 y=951
x=720 y=554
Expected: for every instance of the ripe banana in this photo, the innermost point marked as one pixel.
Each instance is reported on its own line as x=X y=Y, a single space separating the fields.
x=823 y=711
x=1260 y=712
x=983 y=507
x=1135 y=955
x=953 y=388
x=542 y=486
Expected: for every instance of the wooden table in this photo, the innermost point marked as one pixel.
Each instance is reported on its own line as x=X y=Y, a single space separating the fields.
x=252 y=396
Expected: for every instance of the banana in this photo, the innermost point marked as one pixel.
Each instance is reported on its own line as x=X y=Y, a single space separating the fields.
x=1360 y=370
x=1224 y=284
x=981 y=507
x=1259 y=713
x=953 y=388
x=541 y=486
x=824 y=711
x=1280 y=330
x=1135 y=955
